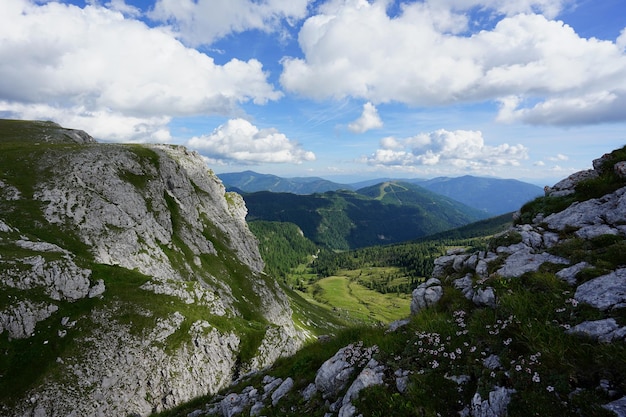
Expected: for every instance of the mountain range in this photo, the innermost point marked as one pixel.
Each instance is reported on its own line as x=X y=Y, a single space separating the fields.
x=385 y=213
x=493 y=196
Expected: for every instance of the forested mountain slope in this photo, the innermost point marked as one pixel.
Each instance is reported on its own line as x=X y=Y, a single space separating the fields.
x=388 y=213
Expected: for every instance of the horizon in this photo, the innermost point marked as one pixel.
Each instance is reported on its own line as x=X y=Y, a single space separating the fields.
x=532 y=91
x=352 y=180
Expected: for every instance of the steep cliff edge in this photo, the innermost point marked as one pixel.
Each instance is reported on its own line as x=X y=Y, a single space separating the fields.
x=129 y=281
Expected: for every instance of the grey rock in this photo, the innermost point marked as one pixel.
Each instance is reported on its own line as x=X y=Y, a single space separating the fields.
x=426 y=294
x=256 y=408
x=371 y=375
x=334 y=374
x=480 y=296
x=97 y=290
x=530 y=237
x=492 y=362
x=550 y=239
x=459 y=262
x=269 y=388
x=232 y=405
x=609 y=210
x=465 y=285
x=569 y=274
x=567 y=186
x=617 y=406
x=402 y=384
x=395 y=325
x=593 y=231
x=441 y=264
x=347 y=410
x=485 y=297
x=525 y=260
x=309 y=392
x=282 y=390
x=21 y=318
x=605 y=292
x=605 y=330
x=495 y=406
x=459 y=379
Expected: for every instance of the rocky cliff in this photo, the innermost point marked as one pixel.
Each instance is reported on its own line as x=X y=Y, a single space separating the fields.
x=533 y=325
x=129 y=280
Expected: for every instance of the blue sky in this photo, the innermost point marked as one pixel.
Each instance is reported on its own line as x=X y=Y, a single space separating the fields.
x=341 y=89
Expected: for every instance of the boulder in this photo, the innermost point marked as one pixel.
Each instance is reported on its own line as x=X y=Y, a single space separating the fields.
x=495 y=406
x=282 y=390
x=334 y=374
x=618 y=407
x=605 y=292
x=569 y=274
x=426 y=295
x=605 y=330
x=525 y=260
x=371 y=375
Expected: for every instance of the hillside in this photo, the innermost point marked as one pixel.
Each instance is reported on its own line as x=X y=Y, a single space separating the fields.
x=250 y=182
x=129 y=280
x=345 y=219
x=534 y=325
x=492 y=195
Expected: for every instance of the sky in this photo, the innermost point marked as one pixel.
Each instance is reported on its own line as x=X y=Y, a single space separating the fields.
x=341 y=89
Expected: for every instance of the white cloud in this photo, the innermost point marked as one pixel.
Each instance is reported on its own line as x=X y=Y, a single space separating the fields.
x=102 y=124
x=113 y=67
x=559 y=157
x=424 y=56
x=240 y=141
x=369 y=120
x=204 y=21
x=549 y=8
x=460 y=149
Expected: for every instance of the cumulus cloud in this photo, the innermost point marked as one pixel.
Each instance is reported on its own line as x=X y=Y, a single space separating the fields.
x=240 y=141
x=203 y=21
x=460 y=149
x=97 y=61
x=559 y=157
x=369 y=120
x=541 y=70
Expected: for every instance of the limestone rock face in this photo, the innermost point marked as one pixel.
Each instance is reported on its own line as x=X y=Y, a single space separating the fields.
x=151 y=280
x=426 y=294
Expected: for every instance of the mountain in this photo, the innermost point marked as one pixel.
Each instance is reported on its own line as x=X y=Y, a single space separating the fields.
x=129 y=280
x=250 y=182
x=533 y=326
x=340 y=220
x=492 y=195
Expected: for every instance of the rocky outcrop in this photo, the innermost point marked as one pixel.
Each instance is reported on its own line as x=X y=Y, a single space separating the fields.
x=528 y=247
x=142 y=268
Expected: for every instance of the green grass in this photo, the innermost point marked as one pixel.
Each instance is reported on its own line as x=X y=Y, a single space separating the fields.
x=355 y=303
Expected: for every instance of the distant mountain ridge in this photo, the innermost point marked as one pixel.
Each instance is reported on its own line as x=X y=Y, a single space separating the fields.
x=493 y=196
x=386 y=213
x=250 y=182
